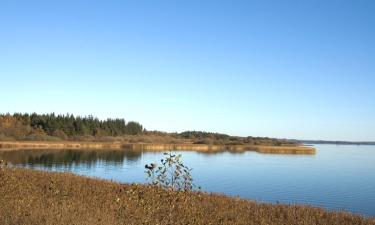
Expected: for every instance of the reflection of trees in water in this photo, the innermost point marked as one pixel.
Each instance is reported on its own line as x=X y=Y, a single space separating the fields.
x=217 y=153
x=69 y=158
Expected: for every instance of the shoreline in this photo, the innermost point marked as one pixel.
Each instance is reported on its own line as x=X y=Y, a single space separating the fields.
x=34 y=145
x=39 y=197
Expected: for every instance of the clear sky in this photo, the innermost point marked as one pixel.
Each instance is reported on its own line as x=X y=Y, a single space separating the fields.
x=288 y=69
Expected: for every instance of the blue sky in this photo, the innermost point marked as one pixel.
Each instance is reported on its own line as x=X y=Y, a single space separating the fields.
x=288 y=69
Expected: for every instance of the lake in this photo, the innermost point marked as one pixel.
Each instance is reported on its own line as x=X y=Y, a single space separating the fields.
x=336 y=177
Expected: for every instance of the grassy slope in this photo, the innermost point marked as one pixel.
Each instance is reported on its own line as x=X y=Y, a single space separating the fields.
x=34 y=197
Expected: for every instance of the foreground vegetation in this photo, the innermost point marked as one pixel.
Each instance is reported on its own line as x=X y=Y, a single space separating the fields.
x=35 y=197
x=51 y=127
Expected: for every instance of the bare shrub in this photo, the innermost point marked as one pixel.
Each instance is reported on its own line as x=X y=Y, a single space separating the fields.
x=60 y=134
x=172 y=174
x=3 y=137
x=205 y=141
x=41 y=137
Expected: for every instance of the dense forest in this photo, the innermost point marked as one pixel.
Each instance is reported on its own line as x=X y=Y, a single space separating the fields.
x=39 y=127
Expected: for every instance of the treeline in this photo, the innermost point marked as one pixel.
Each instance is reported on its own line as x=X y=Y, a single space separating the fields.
x=51 y=127
x=36 y=126
x=210 y=138
x=203 y=135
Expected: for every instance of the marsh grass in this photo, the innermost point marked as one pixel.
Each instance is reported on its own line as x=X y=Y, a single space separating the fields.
x=35 y=197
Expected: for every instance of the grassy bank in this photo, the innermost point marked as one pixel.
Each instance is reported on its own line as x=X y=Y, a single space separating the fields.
x=35 y=197
x=14 y=145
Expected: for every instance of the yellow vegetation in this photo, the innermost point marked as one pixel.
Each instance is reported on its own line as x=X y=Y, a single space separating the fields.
x=12 y=145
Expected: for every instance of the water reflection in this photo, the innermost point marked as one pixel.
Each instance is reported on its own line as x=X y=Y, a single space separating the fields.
x=67 y=158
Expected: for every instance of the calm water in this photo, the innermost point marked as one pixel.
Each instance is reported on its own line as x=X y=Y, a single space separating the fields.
x=337 y=177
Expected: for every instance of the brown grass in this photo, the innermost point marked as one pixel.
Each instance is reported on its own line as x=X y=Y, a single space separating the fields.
x=16 y=145
x=35 y=197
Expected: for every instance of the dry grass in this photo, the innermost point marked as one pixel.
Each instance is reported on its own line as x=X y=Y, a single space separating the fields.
x=24 y=145
x=35 y=197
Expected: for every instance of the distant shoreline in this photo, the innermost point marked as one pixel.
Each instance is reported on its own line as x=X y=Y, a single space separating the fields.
x=32 y=145
x=312 y=142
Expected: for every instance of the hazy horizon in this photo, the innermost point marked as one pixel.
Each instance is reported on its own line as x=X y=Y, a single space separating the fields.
x=290 y=69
